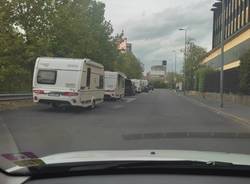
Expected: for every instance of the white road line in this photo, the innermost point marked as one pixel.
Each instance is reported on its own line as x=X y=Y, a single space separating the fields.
x=118 y=107
x=129 y=100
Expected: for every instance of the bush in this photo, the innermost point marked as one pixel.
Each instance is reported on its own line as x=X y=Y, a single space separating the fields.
x=245 y=74
x=15 y=79
x=201 y=78
x=159 y=84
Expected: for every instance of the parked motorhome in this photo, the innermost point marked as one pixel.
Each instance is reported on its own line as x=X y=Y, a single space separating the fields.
x=114 y=83
x=144 y=84
x=68 y=82
x=137 y=84
x=130 y=89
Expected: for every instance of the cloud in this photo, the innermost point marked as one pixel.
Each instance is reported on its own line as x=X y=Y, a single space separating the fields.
x=152 y=27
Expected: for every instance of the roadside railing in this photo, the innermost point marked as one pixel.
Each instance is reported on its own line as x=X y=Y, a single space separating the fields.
x=16 y=96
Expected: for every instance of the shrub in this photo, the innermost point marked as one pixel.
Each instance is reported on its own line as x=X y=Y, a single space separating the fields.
x=245 y=73
x=159 y=84
x=201 y=77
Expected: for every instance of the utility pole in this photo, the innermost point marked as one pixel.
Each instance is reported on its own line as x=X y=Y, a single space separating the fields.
x=222 y=54
x=174 y=51
x=185 y=58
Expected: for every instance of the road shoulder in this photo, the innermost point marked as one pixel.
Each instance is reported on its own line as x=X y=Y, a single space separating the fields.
x=239 y=113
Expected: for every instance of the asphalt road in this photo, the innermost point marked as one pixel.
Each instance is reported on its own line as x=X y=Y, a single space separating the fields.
x=158 y=120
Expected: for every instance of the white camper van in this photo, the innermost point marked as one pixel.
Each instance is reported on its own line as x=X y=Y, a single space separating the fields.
x=63 y=81
x=138 y=85
x=114 y=83
x=144 y=84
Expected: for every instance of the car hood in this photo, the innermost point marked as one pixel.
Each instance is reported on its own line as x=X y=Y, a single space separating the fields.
x=143 y=155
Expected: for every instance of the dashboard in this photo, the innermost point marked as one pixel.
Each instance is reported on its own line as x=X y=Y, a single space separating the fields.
x=144 y=179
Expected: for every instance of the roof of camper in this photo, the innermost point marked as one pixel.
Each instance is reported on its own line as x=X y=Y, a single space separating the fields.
x=73 y=60
x=116 y=73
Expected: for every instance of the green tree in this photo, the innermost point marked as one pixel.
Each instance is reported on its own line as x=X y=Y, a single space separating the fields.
x=56 y=28
x=194 y=56
x=80 y=30
x=12 y=75
x=129 y=65
x=201 y=78
x=32 y=19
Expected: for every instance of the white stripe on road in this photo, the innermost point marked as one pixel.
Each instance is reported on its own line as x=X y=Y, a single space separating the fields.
x=129 y=100
x=118 y=107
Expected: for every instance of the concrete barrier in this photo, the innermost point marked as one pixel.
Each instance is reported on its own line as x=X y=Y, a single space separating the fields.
x=229 y=98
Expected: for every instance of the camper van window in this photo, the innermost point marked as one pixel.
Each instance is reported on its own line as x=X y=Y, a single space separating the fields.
x=88 y=77
x=101 y=82
x=46 y=77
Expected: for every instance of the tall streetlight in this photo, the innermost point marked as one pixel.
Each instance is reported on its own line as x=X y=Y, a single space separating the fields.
x=185 y=56
x=222 y=54
x=174 y=51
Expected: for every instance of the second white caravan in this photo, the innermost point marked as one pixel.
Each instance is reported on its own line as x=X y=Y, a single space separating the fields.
x=138 y=85
x=114 y=83
x=63 y=81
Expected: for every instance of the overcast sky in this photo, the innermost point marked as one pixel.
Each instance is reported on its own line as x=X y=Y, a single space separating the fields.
x=152 y=26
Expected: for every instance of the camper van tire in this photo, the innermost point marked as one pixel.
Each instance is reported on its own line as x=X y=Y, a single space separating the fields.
x=60 y=106
x=55 y=105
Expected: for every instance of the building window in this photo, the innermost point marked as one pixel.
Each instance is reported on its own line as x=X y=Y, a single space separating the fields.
x=242 y=9
x=232 y=16
x=247 y=11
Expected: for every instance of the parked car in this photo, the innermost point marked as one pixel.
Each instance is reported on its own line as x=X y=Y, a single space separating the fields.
x=68 y=82
x=114 y=83
x=130 y=89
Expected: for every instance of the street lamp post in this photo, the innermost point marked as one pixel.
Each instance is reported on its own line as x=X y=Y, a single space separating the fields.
x=185 y=56
x=222 y=54
x=174 y=51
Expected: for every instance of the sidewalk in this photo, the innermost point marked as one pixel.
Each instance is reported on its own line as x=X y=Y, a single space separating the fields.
x=235 y=111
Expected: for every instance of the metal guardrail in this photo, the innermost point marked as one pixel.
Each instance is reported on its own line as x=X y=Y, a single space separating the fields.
x=17 y=96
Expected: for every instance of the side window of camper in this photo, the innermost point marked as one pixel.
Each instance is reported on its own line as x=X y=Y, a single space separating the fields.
x=101 y=82
x=83 y=82
x=88 y=77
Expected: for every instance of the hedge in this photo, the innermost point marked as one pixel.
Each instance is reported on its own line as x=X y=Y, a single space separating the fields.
x=245 y=74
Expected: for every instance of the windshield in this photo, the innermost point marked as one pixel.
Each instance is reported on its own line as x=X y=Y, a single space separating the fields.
x=110 y=82
x=83 y=79
x=46 y=77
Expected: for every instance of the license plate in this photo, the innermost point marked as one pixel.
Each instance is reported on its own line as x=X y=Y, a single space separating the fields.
x=54 y=94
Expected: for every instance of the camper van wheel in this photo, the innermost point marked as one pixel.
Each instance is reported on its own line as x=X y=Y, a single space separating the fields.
x=55 y=106
x=93 y=105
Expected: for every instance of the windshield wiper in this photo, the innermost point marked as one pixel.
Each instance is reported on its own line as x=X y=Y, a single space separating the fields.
x=117 y=166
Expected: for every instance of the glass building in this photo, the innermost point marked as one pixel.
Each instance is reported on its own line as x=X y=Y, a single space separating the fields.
x=236 y=41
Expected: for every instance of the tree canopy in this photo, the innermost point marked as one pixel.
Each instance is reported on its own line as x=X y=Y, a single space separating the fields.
x=194 y=56
x=56 y=28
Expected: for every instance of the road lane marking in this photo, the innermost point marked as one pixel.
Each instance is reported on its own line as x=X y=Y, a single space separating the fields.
x=129 y=100
x=118 y=107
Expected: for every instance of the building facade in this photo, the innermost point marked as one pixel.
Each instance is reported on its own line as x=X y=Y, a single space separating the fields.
x=236 y=42
x=123 y=45
x=158 y=72
x=237 y=33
